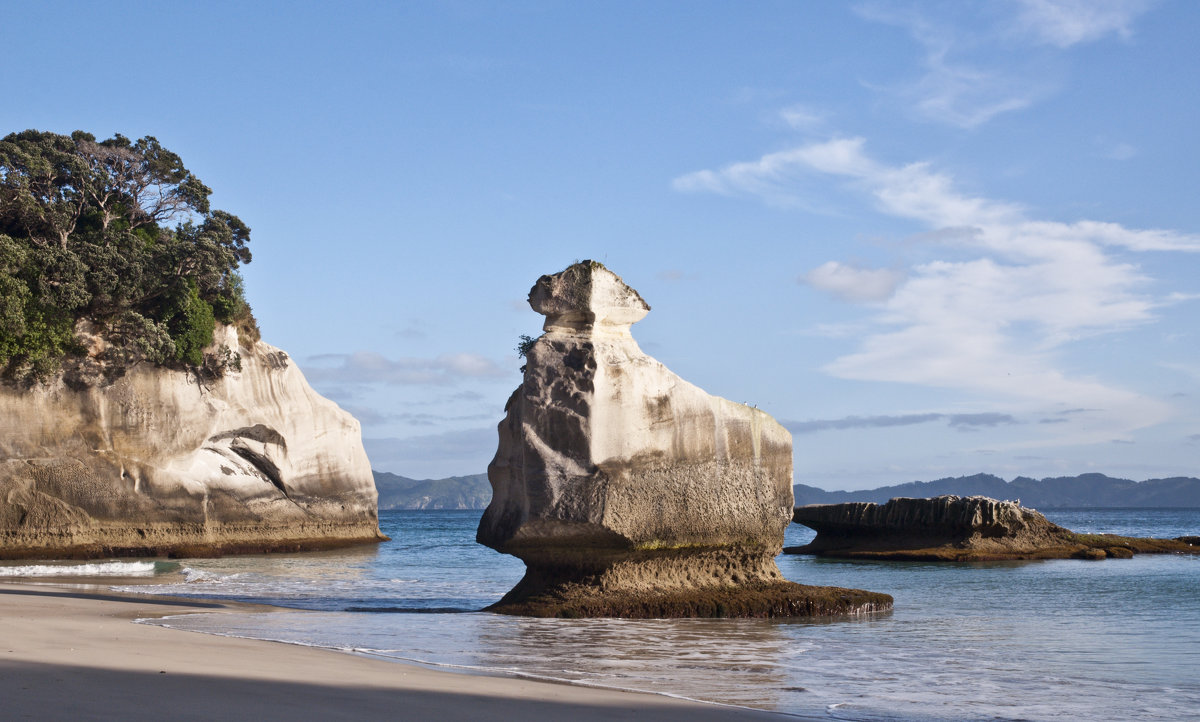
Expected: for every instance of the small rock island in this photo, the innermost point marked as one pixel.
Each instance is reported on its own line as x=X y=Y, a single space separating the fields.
x=956 y=528
x=629 y=492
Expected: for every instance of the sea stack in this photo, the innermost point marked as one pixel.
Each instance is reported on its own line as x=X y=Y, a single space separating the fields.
x=628 y=491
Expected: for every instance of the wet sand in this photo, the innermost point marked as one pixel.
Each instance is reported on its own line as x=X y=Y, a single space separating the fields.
x=72 y=652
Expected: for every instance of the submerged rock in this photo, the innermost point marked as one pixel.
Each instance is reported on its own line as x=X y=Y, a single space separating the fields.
x=956 y=528
x=628 y=491
x=166 y=462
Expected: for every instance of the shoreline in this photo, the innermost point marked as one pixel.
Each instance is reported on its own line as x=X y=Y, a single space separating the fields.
x=74 y=651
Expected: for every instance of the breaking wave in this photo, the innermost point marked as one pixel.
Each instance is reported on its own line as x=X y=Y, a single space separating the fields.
x=91 y=569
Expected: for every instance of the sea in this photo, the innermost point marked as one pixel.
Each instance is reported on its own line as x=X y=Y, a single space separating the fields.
x=1068 y=639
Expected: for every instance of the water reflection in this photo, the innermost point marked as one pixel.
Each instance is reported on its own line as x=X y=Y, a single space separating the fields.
x=735 y=661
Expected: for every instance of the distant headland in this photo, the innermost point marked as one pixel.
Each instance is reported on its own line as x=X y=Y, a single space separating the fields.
x=1086 y=490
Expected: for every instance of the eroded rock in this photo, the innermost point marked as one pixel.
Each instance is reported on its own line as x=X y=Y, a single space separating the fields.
x=628 y=491
x=956 y=528
x=165 y=461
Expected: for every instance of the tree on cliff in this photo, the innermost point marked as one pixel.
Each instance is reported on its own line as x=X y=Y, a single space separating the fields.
x=118 y=234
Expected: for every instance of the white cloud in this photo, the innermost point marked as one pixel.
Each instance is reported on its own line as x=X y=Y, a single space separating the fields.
x=774 y=176
x=850 y=283
x=801 y=117
x=1064 y=23
x=992 y=323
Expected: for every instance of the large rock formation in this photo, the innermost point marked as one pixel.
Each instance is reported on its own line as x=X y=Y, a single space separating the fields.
x=956 y=528
x=628 y=491
x=164 y=461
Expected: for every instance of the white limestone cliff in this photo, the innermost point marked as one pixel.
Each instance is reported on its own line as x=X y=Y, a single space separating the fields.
x=164 y=461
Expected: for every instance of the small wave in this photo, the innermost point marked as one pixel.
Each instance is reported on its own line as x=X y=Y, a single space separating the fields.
x=413 y=610
x=97 y=569
x=199 y=576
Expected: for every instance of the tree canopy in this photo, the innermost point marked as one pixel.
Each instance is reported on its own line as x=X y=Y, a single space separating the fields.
x=118 y=233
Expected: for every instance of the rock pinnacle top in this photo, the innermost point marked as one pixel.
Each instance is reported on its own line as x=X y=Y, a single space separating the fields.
x=586 y=295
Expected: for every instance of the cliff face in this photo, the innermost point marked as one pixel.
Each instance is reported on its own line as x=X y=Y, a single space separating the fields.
x=161 y=461
x=628 y=491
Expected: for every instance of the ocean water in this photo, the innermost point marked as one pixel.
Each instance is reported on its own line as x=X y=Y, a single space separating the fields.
x=1046 y=640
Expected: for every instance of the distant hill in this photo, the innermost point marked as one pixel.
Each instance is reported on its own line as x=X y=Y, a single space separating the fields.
x=1095 y=490
x=455 y=492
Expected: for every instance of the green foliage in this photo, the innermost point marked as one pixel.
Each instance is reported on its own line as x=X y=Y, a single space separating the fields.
x=229 y=302
x=118 y=232
x=136 y=338
x=192 y=328
x=35 y=333
x=524 y=345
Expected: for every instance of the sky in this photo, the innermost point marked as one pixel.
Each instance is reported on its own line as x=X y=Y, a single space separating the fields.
x=931 y=239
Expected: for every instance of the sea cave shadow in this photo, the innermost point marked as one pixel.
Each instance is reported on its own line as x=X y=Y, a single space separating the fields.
x=37 y=691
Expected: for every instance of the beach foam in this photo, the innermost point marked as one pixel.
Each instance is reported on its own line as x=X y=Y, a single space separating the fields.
x=92 y=569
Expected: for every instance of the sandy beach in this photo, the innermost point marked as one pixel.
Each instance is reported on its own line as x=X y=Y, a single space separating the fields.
x=72 y=652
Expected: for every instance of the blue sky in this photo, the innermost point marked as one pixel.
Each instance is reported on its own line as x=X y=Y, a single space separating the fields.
x=930 y=238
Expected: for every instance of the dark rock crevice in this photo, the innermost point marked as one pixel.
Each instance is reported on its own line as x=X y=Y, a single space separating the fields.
x=265 y=466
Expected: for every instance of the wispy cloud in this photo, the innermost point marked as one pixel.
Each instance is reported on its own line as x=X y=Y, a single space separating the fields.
x=1064 y=23
x=958 y=421
x=1191 y=370
x=952 y=89
x=434 y=455
x=369 y=367
x=972 y=421
x=975 y=62
x=1120 y=151
x=990 y=321
x=372 y=417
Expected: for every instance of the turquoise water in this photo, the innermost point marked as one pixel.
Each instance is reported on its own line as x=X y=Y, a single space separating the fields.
x=1049 y=640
